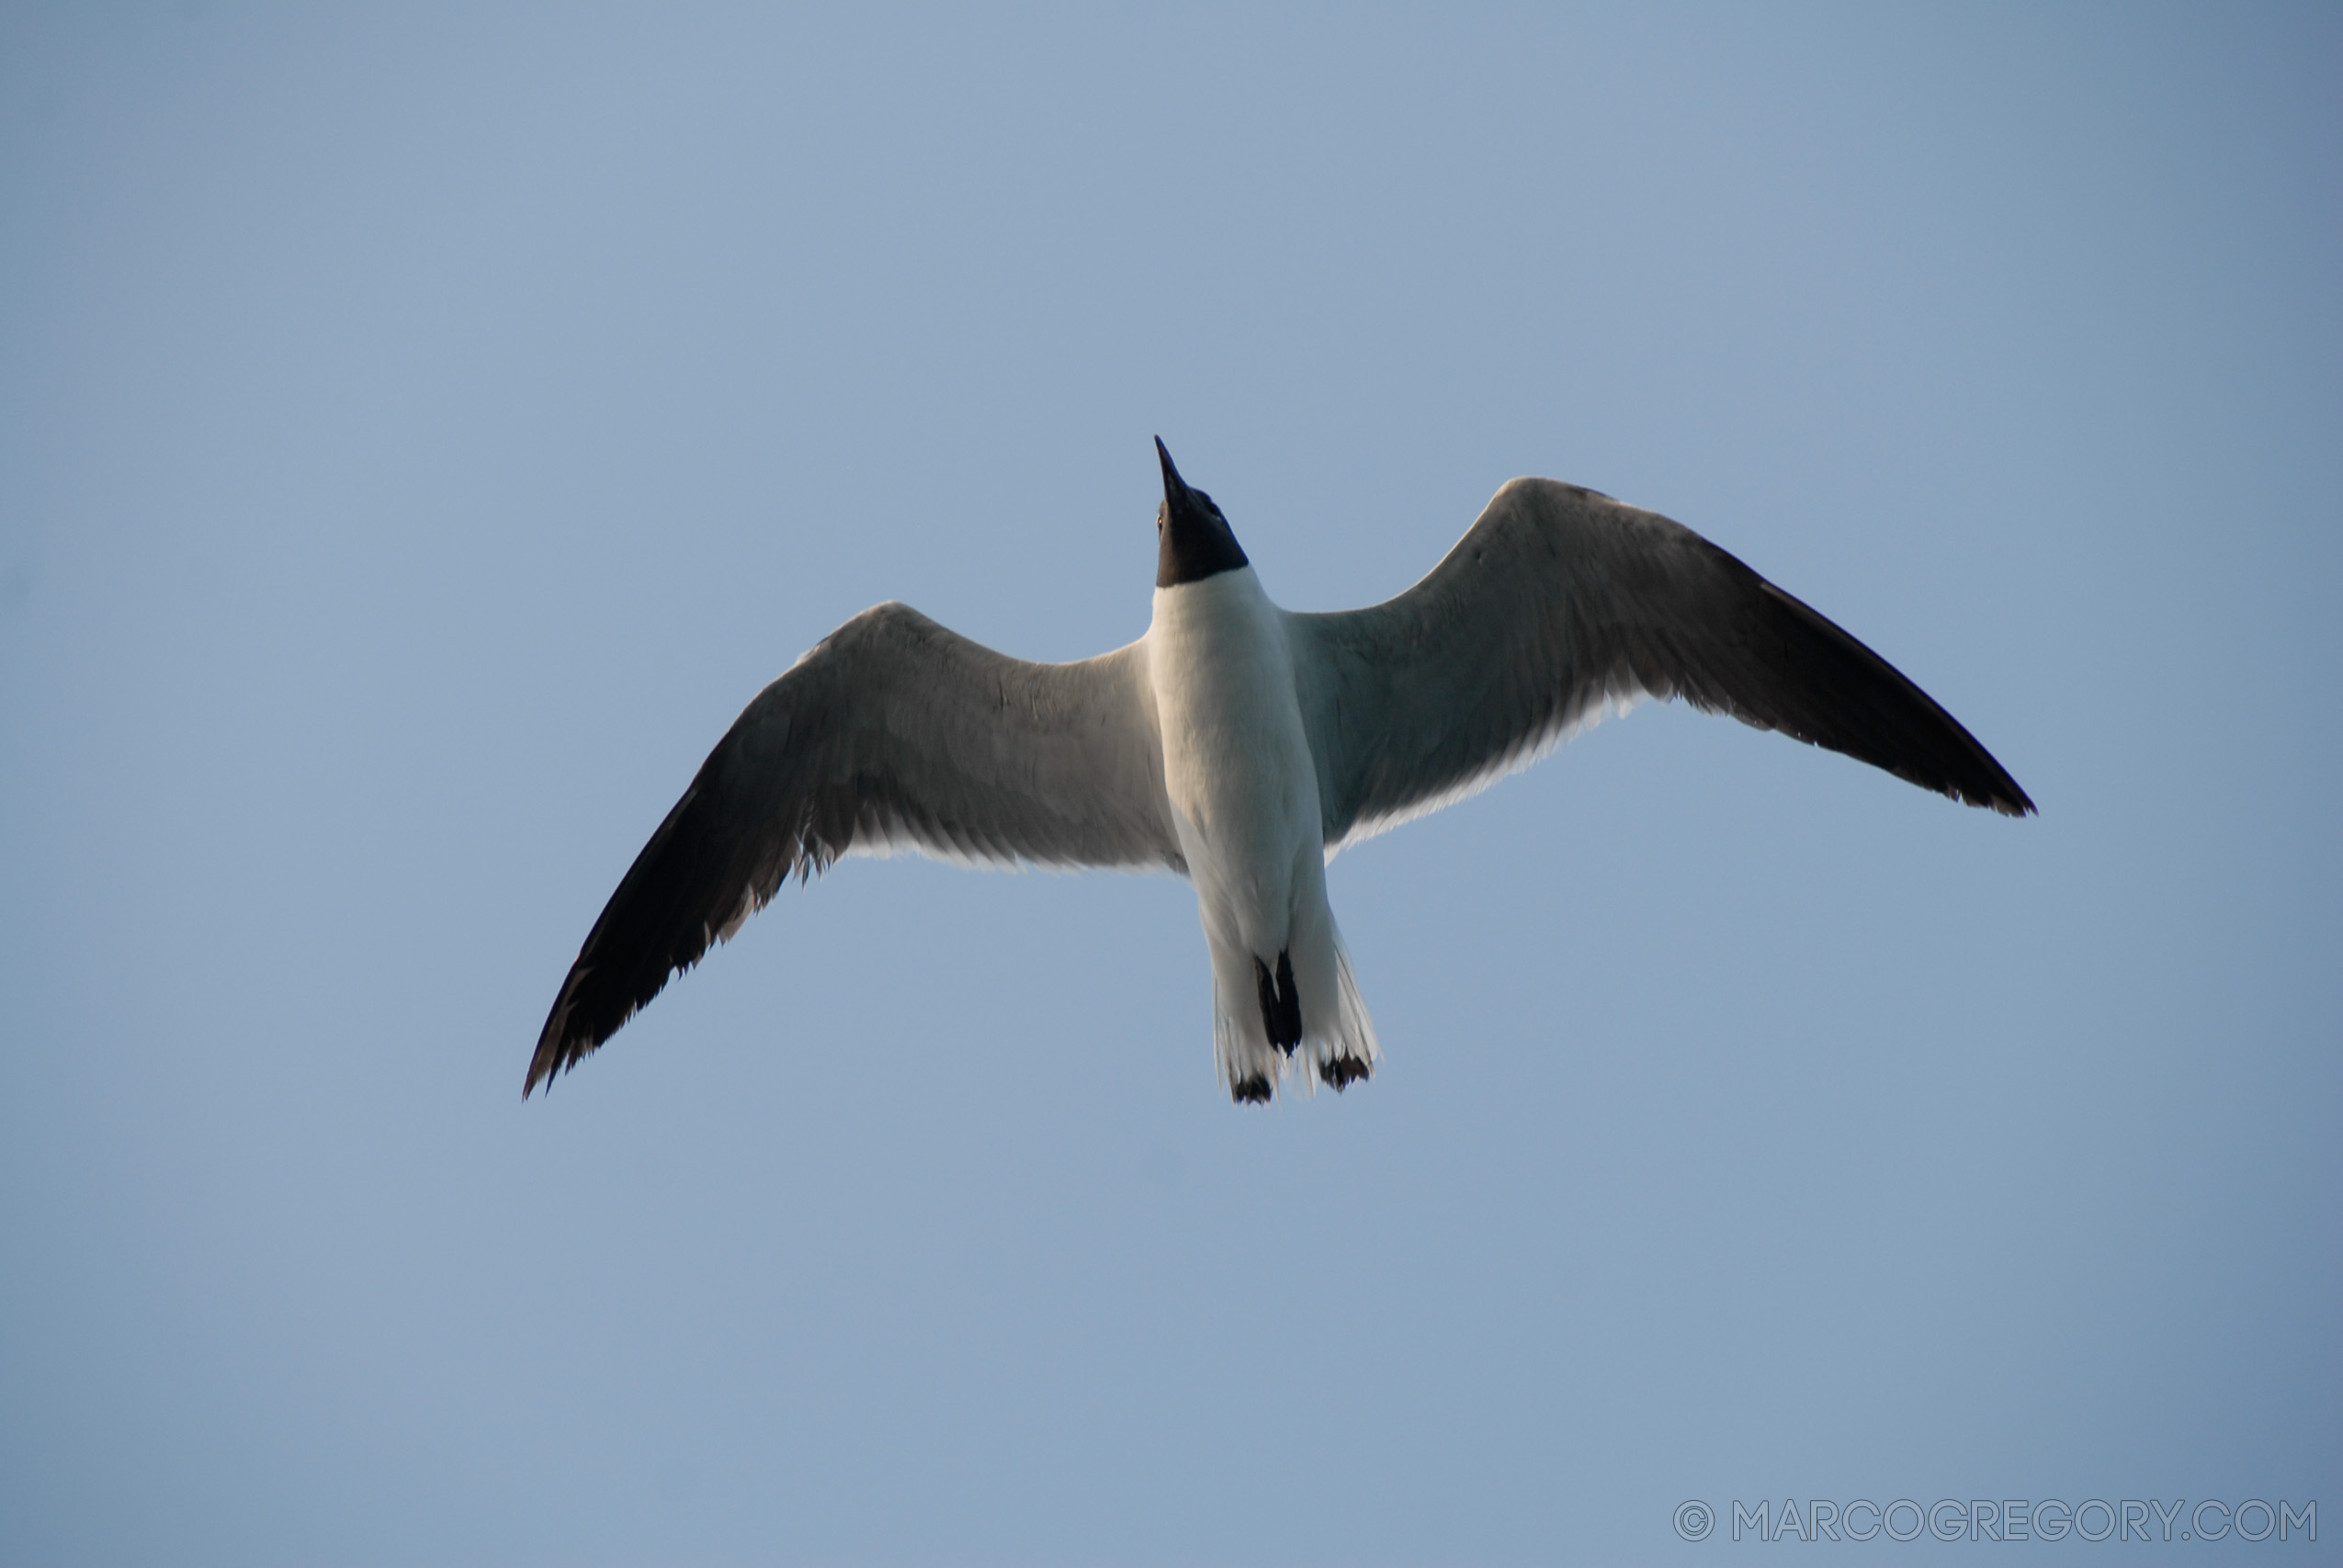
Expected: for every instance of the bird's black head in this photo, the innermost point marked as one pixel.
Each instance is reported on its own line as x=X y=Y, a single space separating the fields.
x=1193 y=540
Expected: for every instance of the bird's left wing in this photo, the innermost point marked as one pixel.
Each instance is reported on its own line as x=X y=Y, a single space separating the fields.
x=894 y=733
x=1560 y=600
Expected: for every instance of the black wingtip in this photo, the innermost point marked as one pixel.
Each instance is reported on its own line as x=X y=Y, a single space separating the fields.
x=546 y=1064
x=1846 y=697
x=556 y=1049
x=1989 y=785
x=1984 y=783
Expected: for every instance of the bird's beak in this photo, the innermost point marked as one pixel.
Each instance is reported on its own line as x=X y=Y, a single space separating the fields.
x=1174 y=487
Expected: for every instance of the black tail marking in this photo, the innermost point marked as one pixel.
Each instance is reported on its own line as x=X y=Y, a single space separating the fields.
x=1253 y=1090
x=1281 y=1003
x=1344 y=1071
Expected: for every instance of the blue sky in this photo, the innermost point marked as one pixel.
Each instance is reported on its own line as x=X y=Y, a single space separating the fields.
x=421 y=429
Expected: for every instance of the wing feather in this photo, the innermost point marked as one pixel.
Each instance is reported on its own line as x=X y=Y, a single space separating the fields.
x=895 y=733
x=1561 y=600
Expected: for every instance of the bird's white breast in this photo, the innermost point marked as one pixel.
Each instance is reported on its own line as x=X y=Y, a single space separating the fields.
x=1237 y=761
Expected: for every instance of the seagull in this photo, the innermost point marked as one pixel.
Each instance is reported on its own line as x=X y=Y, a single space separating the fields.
x=1241 y=746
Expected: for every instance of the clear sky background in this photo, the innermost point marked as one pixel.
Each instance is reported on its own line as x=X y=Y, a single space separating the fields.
x=422 y=429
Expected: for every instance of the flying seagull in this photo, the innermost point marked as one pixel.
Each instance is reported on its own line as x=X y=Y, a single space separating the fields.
x=1241 y=746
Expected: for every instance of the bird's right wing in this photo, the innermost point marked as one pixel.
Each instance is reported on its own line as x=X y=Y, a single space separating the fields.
x=1560 y=600
x=894 y=733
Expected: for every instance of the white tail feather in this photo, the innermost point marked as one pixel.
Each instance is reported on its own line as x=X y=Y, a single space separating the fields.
x=1339 y=1044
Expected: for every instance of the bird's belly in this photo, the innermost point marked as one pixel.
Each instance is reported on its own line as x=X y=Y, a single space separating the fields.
x=1244 y=797
x=1237 y=763
x=1240 y=799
